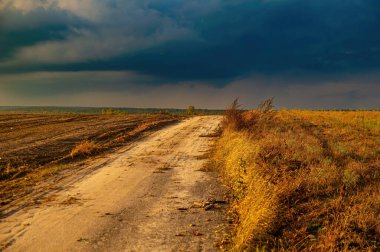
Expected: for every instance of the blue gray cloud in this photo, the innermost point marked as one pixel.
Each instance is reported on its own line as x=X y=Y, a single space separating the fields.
x=216 y=42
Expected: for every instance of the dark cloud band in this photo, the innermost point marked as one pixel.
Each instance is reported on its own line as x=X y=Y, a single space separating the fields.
x=215 y=42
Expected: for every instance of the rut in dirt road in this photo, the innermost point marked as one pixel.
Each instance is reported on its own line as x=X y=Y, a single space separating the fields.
x=144 y=198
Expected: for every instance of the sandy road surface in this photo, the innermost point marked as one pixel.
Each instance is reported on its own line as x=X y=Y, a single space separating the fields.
x=139 y=200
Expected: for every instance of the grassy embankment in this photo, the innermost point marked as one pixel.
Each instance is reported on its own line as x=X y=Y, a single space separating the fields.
x=302 y=180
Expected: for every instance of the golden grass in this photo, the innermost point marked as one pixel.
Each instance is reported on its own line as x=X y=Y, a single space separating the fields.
x=303 y=180
x=85 y=148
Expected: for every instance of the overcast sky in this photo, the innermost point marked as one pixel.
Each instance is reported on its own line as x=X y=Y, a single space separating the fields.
x=307 y=54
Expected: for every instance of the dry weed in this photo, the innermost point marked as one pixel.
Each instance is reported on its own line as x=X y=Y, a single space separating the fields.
x=85 y=148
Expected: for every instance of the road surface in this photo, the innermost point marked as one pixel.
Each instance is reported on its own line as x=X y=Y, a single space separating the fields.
x=147 y=197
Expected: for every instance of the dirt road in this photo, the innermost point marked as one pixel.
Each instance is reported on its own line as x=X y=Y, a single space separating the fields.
x=146 y=197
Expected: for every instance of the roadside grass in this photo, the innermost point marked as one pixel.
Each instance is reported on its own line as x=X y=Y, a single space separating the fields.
x=302 y=180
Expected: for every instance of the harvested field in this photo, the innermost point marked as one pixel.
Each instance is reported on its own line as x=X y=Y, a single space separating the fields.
x=33 y=146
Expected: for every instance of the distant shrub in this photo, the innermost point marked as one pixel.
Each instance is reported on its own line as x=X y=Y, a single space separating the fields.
x=190 y=110
x=163 y=112
x=110 y=111
x=107 y=111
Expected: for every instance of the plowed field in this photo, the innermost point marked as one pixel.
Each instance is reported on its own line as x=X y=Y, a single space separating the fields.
x=32 y=146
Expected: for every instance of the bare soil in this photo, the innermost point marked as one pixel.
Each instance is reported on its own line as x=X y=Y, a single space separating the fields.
x=35 y=146
x=153 y=195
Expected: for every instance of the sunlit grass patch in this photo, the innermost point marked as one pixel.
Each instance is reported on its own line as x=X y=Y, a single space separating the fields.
x=85 y=148
x=303 y=180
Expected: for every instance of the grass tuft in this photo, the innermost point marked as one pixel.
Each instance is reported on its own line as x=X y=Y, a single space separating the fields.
x=233 y=117
x=85 y=148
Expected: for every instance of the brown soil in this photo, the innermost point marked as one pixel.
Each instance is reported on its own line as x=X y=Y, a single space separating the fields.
x=35 y=146
x=149 y=196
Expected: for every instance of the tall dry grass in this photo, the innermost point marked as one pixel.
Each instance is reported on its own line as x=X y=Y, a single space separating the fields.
x=302 y=180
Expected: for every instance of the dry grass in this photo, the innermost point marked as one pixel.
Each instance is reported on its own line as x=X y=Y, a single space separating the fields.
x=303 y=180
x=85 y=148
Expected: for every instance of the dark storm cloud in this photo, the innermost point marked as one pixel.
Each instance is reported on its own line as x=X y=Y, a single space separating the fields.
x=270 y=37
x=173 y=52
x=229 y=39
